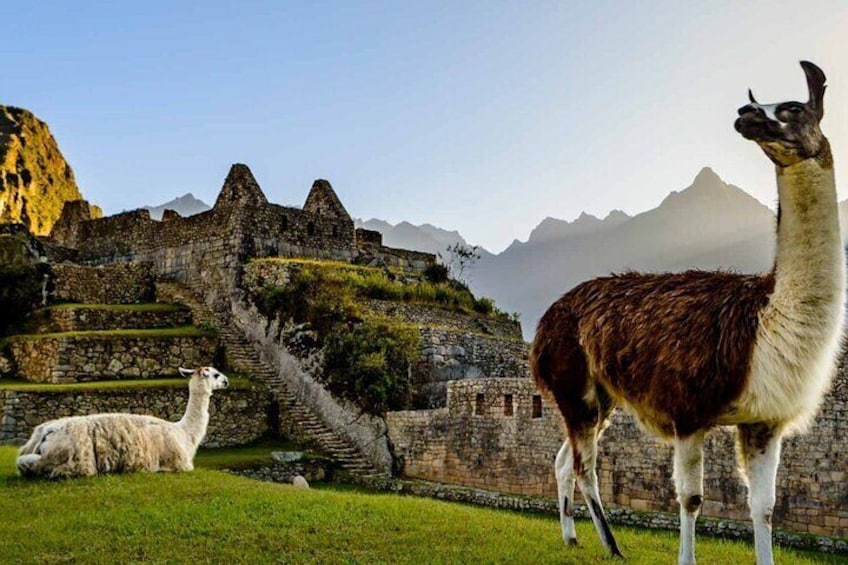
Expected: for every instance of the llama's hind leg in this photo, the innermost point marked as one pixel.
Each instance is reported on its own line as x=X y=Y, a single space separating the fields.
x=689 y=483
x=585 y=458
x=759 y=454
x=564 y=471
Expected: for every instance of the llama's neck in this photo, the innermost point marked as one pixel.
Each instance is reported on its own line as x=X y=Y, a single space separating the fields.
x=196 y=417
x=810 y=264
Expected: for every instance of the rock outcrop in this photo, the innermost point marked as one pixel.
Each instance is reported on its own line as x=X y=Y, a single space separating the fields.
x=35 y=179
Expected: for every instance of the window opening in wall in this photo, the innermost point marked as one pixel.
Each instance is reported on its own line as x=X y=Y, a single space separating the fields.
x=335 y=231
x=284 y=224
x=508 y=409
x=537 y=406
x=310 y=228
x=479 y=406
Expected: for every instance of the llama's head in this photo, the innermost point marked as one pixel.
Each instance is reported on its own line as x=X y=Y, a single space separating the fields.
x=205 y=379
x=788 y=132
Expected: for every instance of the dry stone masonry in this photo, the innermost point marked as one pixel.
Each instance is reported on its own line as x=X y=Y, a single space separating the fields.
x=448 y=355
x=119 y=283
x=80 y=358
x=234 y=419
x=498 y=434
x=81 y=318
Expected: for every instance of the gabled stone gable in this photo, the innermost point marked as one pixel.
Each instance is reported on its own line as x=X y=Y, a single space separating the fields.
x=240 y=189
x=323 y=201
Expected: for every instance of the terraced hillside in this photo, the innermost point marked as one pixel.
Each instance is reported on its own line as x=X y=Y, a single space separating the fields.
x=80 y=358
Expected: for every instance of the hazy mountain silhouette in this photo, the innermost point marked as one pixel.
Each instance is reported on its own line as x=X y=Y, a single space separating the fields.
x=552 y=228
x=709 y=225
x=185 y=205
x=425 y=237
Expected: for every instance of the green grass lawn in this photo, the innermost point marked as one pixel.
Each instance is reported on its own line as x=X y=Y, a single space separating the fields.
x=165 y=382
x=179 y=331
x=142 y=307
x=210 y=517
x=240 y=457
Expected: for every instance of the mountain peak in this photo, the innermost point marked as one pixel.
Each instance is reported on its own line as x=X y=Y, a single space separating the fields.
x=586 y=217
x=707 y=178
x=185 y=205
x=617 y=216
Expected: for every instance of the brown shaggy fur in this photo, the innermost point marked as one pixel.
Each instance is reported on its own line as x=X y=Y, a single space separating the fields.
x=676 y=347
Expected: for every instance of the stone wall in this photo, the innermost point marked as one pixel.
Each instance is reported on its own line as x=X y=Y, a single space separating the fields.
x=404 y=259
x=451 y=355
x=237 y=415
x=90 y=358
x=63 y=319
x=476 y=443
x=120 y=283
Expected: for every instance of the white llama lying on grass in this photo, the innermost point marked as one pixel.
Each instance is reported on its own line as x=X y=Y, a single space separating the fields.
x=82 y=446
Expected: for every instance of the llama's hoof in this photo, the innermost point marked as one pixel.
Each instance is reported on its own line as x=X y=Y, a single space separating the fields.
x=571 y=541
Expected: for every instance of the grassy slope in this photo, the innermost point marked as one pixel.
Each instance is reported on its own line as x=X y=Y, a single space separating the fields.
x=207 y=516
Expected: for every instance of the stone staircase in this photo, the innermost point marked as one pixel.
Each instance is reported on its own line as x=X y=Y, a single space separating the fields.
x=244 y=358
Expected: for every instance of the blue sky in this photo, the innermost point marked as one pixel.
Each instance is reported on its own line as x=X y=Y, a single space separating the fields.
x=478 y=116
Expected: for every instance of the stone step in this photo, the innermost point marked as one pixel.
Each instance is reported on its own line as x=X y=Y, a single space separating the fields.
x=243 y=356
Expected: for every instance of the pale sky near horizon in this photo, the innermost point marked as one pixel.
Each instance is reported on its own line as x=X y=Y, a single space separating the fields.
x=480 y=116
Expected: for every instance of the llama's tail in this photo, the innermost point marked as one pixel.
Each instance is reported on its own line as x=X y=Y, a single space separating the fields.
x=557 y=361
x=541 y=360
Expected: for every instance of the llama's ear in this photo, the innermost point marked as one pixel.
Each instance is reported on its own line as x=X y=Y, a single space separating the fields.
x=815 y=86
x=186 y=372
x=751 y=97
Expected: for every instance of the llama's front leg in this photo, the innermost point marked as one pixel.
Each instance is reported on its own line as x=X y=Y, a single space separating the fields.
x=759 y=446
x=585 y=457
x=689 y=482
x=564 y=472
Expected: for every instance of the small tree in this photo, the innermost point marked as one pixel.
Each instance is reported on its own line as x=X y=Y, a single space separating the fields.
x=460 y=257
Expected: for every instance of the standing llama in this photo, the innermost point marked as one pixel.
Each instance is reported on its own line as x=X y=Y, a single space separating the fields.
x=82 y=446
x=686 y=352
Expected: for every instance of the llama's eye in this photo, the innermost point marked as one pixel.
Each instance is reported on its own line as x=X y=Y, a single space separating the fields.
x=795 y=109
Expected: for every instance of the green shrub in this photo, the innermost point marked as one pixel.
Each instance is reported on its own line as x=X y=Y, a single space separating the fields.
x=436 y=273
x=370 y=365
x=311 y=296
x=484 y=305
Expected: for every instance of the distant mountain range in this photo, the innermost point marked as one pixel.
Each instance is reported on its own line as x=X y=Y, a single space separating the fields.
x=708 y=225
x=425 y=237
x=185 y=205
